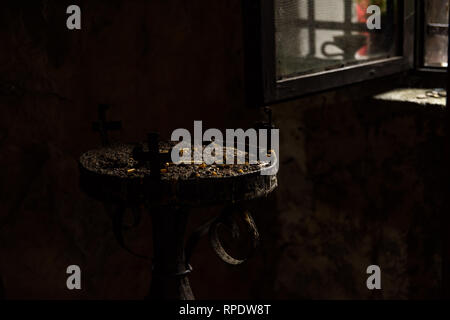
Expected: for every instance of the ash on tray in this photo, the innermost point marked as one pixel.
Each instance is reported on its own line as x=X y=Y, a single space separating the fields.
x=118 y=161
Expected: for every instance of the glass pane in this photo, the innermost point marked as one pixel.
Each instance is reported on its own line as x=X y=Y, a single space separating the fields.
x=436 y=33
x=317 y=35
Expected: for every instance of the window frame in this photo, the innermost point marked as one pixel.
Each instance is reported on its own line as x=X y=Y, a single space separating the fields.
x=262 y=87
x=420 y=43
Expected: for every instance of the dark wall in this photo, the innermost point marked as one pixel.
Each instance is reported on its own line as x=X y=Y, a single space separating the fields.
x=357 y=182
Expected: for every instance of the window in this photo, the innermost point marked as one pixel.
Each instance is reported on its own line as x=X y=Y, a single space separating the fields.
x=435 y=31
x=314 y=36
x=295 y=47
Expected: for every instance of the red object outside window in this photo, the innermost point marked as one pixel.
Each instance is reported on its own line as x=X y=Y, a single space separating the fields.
x=361 y=14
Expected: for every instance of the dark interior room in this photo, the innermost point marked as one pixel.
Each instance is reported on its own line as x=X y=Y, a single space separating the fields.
x=338 y=109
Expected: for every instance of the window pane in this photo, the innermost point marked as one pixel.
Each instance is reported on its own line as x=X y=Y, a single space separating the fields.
x=436 y=33
x=318 y=35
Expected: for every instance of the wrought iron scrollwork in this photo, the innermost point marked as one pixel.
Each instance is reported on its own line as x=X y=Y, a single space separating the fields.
x=226 y=219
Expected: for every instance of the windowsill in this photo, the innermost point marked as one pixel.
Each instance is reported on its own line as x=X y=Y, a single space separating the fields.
x=412 y=95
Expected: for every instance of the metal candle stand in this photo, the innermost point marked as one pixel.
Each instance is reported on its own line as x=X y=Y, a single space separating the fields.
x=169 y=205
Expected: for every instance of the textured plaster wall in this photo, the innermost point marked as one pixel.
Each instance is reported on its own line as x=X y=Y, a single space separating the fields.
x=359 y=181
x=367 y=191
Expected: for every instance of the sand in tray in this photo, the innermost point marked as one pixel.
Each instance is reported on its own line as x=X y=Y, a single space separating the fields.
x=118 y=161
